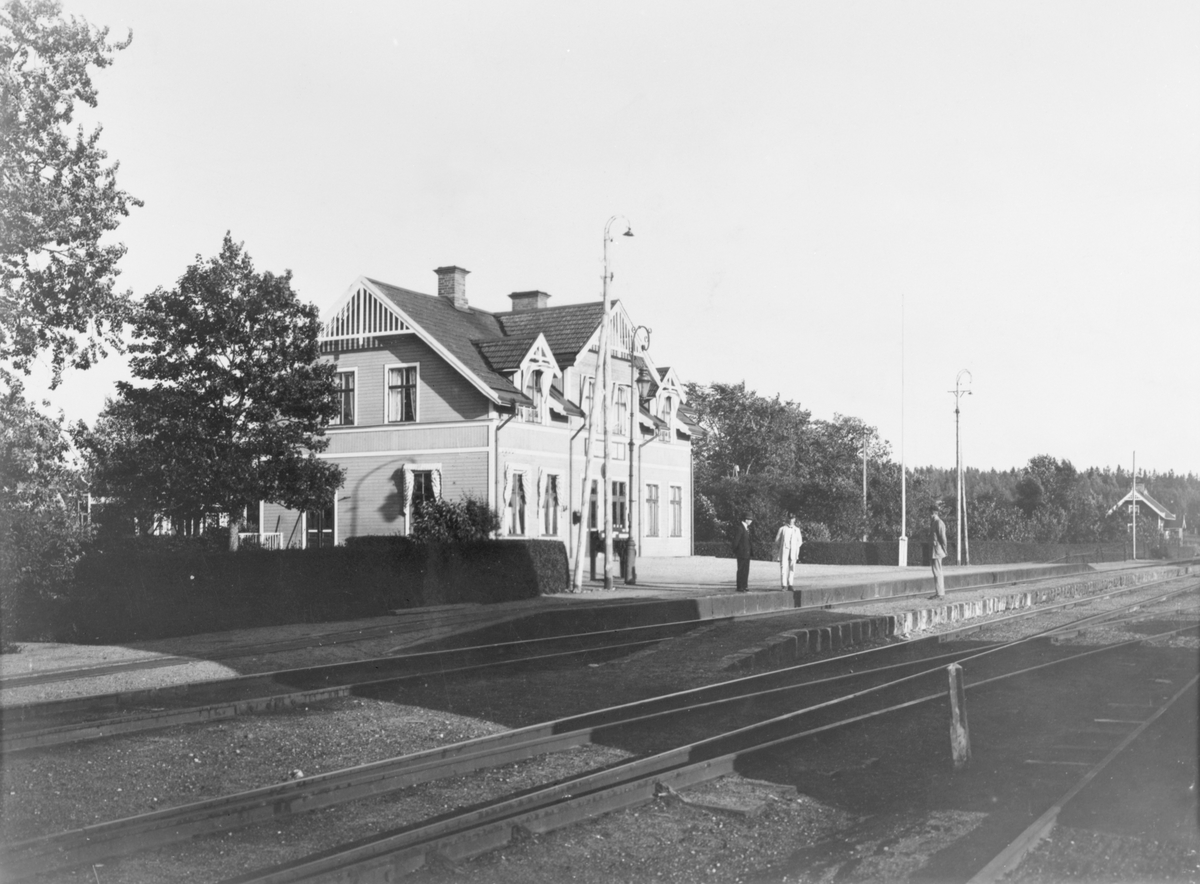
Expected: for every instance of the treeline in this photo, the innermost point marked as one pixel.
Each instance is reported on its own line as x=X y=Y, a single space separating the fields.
x=769 y=456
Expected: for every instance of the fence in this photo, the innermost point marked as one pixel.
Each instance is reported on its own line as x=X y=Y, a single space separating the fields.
x=266 y=540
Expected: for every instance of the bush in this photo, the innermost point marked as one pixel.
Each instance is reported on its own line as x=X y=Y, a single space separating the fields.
x=441 y=521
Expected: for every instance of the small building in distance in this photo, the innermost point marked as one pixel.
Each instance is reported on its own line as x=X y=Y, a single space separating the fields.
x=1147 y=506
x=442 y=400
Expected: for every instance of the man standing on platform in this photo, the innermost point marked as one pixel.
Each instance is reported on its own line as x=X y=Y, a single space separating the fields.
x=937 y=530
x=787 y=545
x=741 y=552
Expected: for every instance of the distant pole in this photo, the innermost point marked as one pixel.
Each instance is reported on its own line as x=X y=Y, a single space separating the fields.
x=965 y=521
x=1133 y=505
x=958 y=392
x=865 y=518
x=902 y=553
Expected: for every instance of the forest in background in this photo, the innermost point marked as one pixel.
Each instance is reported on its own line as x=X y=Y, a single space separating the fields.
x=767 y=457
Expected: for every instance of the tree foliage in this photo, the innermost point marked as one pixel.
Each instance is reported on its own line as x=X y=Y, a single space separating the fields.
x=236 y=403
x=767 y=457
x=41 y=535
x=59 y=197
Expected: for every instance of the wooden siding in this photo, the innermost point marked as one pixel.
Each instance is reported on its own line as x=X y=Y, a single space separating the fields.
x=372 y=501
x=530 y=437
x=442 y=393
x=406 y=437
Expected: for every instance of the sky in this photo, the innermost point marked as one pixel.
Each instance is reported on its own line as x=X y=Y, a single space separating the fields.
x=843 y=203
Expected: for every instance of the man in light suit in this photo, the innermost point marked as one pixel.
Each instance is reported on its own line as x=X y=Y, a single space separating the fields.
x=787 y=544
x=741 y=552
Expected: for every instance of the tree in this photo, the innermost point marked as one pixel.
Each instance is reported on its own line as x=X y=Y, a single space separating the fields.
x=59 y=198
x=746 y=434
x=237 y=403
x=40 y=531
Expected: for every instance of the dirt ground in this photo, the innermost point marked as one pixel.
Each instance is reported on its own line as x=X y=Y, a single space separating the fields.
x=860 y=804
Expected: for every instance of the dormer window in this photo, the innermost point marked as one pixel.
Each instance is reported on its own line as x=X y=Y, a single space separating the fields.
x=533 y=389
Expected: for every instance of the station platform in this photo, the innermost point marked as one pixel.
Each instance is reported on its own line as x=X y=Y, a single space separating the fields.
x=832 y=606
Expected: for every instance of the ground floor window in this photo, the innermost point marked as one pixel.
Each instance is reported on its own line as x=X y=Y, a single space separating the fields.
x=318 y=527
x=594 y=507
x=618 y=506
x=651 y=510
x=550 y=513
x=676 y=511
x=516 y=505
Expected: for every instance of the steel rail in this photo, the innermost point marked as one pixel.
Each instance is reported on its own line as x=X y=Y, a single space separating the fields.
x=16 y=739
x=1012 y=854
x=389 y=854
x=22 y=739
x=119 y=837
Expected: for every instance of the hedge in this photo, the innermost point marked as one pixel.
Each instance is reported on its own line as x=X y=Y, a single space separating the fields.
x=984 y=552
x=138 y=594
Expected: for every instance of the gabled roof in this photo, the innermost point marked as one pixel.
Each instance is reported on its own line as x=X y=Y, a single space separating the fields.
x=1139 y=495
x=567 y=328
x=506 y=354
x=456 y=331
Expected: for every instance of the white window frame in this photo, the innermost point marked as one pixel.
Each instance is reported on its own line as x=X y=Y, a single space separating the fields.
x=621 y=410
x=420 y=468
x=652 y=525
x=387 y=414
x=354 y=403
x=509 y=512
x=560 y=488
x=673 y=526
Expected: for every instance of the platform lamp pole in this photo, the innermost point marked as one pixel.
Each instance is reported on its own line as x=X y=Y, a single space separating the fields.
x=606 y=365
x=958 y=392
x=902 y=552
x=639 y=388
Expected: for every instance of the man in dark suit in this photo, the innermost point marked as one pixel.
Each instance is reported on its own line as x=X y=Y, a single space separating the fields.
x=741 y=552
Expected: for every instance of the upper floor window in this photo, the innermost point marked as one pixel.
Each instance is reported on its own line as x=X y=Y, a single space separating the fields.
x=621 y=421
x=533 y=389
x=344 y=381
x=401 y=393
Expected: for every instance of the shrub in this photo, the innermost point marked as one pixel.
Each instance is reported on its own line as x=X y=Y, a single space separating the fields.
x=443 y=521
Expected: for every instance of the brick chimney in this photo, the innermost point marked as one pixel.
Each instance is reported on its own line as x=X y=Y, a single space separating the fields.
x=452 y=285
x=524 y=301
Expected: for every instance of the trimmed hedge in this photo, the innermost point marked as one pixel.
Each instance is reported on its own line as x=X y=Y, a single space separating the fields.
x=984 y=552
x=143 y=593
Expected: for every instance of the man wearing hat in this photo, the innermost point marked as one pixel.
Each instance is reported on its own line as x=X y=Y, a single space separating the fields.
x=741 y=552
x=937 y=530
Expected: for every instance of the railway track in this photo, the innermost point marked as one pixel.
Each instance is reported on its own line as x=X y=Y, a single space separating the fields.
x=463 y=836
x=719 y=753
x=52 y=723
x=1010 y=857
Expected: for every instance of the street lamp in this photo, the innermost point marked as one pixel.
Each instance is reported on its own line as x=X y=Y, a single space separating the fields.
x=606 y=364
x=640 y=387
x=958 y=392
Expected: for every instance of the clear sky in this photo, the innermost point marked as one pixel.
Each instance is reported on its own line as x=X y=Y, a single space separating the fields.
x=1024 y=177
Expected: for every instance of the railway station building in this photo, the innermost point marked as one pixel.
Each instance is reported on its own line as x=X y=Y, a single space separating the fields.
x=442 y=400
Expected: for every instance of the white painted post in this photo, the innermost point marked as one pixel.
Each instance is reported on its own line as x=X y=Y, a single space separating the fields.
x=960 y=733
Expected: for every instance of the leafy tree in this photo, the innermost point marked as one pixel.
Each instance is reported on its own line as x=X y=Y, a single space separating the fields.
x=237 y=403
x=41 y=535
x=59 y=197
x=745 y=433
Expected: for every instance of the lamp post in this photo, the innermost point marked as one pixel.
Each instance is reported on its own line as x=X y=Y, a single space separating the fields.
x=639 y=389
x=606 y=365
x=959 y=392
